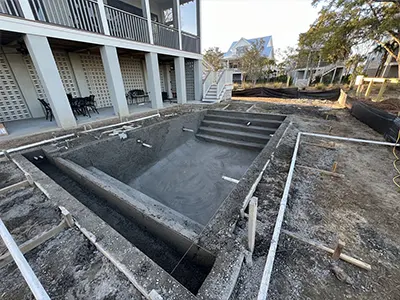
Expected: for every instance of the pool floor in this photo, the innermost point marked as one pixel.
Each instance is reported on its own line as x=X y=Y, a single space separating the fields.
x=189 y=179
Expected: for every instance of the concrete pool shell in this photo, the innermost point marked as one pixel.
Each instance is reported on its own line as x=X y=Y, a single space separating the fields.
x=175 y=188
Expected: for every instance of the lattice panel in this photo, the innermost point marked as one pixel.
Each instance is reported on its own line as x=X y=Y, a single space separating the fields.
x=64 y=69
x=132 y=73
x=12 y=103
x=189 y=73
x=96 y=79
x=66 y=73
x=40 y=92
x=173 y=80
x=162 y=79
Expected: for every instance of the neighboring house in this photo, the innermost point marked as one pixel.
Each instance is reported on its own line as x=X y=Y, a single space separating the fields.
x=378 y=64
x=304 y=75
x=237 y=49
x=104 y=48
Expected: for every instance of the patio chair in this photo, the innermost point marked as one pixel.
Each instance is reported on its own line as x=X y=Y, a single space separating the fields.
x=91 y=103
x=75 y=107
x=47 y=109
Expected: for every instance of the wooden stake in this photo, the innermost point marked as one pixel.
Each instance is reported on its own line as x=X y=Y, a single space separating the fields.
x=322 y=171
x=252 y=223
x=325 y=145
x=334 y=167
x=318 y=245
x=338 y=250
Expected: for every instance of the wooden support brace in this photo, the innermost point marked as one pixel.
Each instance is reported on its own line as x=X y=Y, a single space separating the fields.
x=14 y=187
x=382 y=91
x=318 y=245
x=324 y=145
x=369 y=89
x=67 y=221
x=322 y=171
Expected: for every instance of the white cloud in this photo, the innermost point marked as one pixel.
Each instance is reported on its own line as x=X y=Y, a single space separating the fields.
x=225 y=21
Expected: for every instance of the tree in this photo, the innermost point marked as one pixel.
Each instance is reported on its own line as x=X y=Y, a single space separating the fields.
x=343 y=24
x=253 y=61
x=214 y=57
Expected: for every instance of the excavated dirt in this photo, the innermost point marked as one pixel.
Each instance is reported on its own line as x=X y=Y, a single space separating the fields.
x=362 y=209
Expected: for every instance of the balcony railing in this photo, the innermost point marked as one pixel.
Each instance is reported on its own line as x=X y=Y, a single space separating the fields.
x=80 y=14
x=165 y=36
x=126 y=25
x=85 y=15
x=10 y=7
x=190 y=42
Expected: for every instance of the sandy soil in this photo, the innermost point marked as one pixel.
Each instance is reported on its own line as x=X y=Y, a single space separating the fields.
x=361 y=209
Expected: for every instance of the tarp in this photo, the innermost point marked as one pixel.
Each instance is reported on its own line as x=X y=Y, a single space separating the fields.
x=325 y=95
x=379 y=120
x=288 y=93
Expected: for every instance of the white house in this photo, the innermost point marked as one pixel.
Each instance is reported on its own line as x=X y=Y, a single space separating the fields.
x=375 y=67
x=236 y=50
x=105 y=48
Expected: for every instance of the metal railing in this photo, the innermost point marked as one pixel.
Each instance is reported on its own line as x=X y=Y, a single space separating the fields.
x=165 y=36
x=190 y=42
x=10 y=7
x=126 y=25
x=80 y=14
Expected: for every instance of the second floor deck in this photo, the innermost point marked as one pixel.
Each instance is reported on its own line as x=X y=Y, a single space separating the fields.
x=123 y=19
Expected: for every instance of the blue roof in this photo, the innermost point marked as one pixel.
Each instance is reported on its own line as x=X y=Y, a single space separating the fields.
x=267 y=50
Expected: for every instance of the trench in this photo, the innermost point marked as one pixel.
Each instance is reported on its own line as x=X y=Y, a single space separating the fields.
x=189 y=273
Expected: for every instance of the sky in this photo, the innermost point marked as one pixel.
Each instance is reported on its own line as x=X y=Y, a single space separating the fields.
x=226 y=21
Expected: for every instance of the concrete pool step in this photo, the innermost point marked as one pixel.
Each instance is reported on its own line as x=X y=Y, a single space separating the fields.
x=230 y=142
x=236 y=135
x=246 y=115
x=244 y=121
x=238 y=127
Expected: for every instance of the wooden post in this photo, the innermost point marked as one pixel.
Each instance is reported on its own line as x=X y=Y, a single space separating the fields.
x=252 y=222
x=368 y=92
x=334 y=167
x=338 y=250
x=382 y=90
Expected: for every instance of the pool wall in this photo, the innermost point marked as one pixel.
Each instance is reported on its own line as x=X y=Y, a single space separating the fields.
x=125 y=159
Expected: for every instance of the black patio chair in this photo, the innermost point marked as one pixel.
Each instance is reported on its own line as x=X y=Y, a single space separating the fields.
x=47 y=108
x=91 y=103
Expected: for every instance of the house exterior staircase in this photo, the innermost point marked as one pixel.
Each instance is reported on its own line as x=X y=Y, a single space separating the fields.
x=217 y=86
x=239 y=129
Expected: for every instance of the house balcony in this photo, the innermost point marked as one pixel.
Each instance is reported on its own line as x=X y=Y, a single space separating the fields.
x=123 y=20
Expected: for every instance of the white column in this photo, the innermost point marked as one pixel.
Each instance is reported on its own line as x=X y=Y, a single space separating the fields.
x=26 y=9
x=43 y=60
x=177 y=19
x=180 y=79
x=115 y=83
x=198 y=80
x=103 y=17
x=147 y=15
x=168 y=84
x=153 y=80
